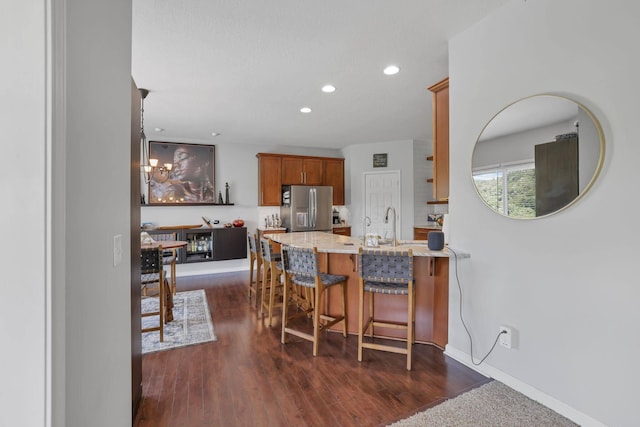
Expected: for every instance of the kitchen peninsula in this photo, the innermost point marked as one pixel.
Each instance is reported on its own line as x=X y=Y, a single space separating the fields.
x=338 y=255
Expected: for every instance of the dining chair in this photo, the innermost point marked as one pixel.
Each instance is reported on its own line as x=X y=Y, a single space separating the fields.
x=386 y=272
x=169 y=256
x=301 y=268
x=254 y=259
x=271 y=278
x=152 y=276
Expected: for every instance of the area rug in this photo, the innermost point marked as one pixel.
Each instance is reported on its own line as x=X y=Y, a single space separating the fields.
x=191 y=322
x=491 y=405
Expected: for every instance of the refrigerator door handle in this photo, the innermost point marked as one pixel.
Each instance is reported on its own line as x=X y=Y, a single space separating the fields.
x=310 y=223
x=314 y=207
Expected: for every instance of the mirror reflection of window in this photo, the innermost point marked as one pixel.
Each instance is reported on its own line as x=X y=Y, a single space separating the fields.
x=509 y=189
x=503 y=167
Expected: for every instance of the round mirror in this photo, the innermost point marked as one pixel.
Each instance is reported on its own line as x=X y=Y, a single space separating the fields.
x=537 y=156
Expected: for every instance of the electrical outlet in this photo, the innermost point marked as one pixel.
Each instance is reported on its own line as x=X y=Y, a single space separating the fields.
x=505 y=336
x=117 y=249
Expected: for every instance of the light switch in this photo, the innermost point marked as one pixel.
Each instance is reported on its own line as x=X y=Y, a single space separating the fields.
x=117 y=250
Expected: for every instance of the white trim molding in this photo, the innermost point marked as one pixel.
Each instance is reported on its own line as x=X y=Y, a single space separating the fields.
x=529 y=391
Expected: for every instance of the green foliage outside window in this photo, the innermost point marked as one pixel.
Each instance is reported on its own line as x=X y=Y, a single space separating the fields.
x=519 y=190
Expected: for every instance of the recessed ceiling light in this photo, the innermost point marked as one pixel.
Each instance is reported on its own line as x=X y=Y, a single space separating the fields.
x=391 y=70
x=159 y=130
x=305 y=110
x=328 y=88
x=215 y=134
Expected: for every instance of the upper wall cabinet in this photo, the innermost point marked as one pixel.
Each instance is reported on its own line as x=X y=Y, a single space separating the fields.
x=441 y=139
x=269 y=179
x=275 y=170
x=334 y=176
x=302 y=170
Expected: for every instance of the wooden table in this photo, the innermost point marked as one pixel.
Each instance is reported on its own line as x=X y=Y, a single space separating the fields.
x=172 y=245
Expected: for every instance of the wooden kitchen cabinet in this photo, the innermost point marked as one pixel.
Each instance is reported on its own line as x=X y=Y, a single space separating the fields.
x=441 y=140
x=343 y=231
x=421 y=233
x=334 y=176
x=302 y=170
x=269 y=179
x=208 y=244
x=276 y=170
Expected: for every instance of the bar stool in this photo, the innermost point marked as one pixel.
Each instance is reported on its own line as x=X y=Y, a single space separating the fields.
x=301 y=268
x=152 y=276
x=169 y=256
x=254 y=258
x=385 y=272
x=272 y=270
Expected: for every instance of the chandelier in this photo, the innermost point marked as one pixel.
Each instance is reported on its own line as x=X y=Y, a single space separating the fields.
x=149 y=167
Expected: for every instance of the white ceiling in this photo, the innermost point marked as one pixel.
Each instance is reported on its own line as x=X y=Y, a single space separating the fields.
x=530 y=113
x=244 y=68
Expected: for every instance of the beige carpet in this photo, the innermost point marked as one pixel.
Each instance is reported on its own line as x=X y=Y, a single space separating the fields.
x=491 y=405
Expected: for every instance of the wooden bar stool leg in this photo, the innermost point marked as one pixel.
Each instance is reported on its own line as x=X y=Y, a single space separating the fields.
x=410 y=316
x=272 y=291
x=371 y=313
x=265 y=279
x=260 y=276
x=285 y=307
x=360 y=318
x=344 y=310
x=316 y=319
x=252 y=260
x=173 y=274
x=161 y=297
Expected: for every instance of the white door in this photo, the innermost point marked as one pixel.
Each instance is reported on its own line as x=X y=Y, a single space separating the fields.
x=382 y=190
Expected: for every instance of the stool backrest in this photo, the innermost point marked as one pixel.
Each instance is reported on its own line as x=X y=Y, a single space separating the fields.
x=387 y=266
x=151 y=260
x=252 y=243
x=300 y=261
x=164 y=236
x=266 y=250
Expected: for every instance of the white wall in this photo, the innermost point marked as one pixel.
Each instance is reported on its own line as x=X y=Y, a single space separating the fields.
x=25 y=278
x=422 y=191
x=66 y=97
x=567 y=283
x=236 y=164
x=359 y=159
x=96 y=208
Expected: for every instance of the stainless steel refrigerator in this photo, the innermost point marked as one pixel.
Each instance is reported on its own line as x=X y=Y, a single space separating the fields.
x=306 y=207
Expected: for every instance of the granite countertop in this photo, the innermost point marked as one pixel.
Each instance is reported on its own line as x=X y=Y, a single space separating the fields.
x=432 y=225
x=338 y=244
x=272 y=229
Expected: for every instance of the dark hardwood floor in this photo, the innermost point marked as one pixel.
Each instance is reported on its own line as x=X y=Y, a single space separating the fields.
x=247 y=378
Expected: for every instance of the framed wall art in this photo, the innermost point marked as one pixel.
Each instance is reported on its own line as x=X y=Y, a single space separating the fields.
x=380 y=160
x=184 y=174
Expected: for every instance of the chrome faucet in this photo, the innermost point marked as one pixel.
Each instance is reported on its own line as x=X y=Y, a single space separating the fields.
x=386 y=221
x=366 y=222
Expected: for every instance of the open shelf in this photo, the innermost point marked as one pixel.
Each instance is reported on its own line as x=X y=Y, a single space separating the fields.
x=187 y=204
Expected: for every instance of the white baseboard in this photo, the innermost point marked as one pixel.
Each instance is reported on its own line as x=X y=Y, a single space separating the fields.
x=212 y=271
x=524 y=388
